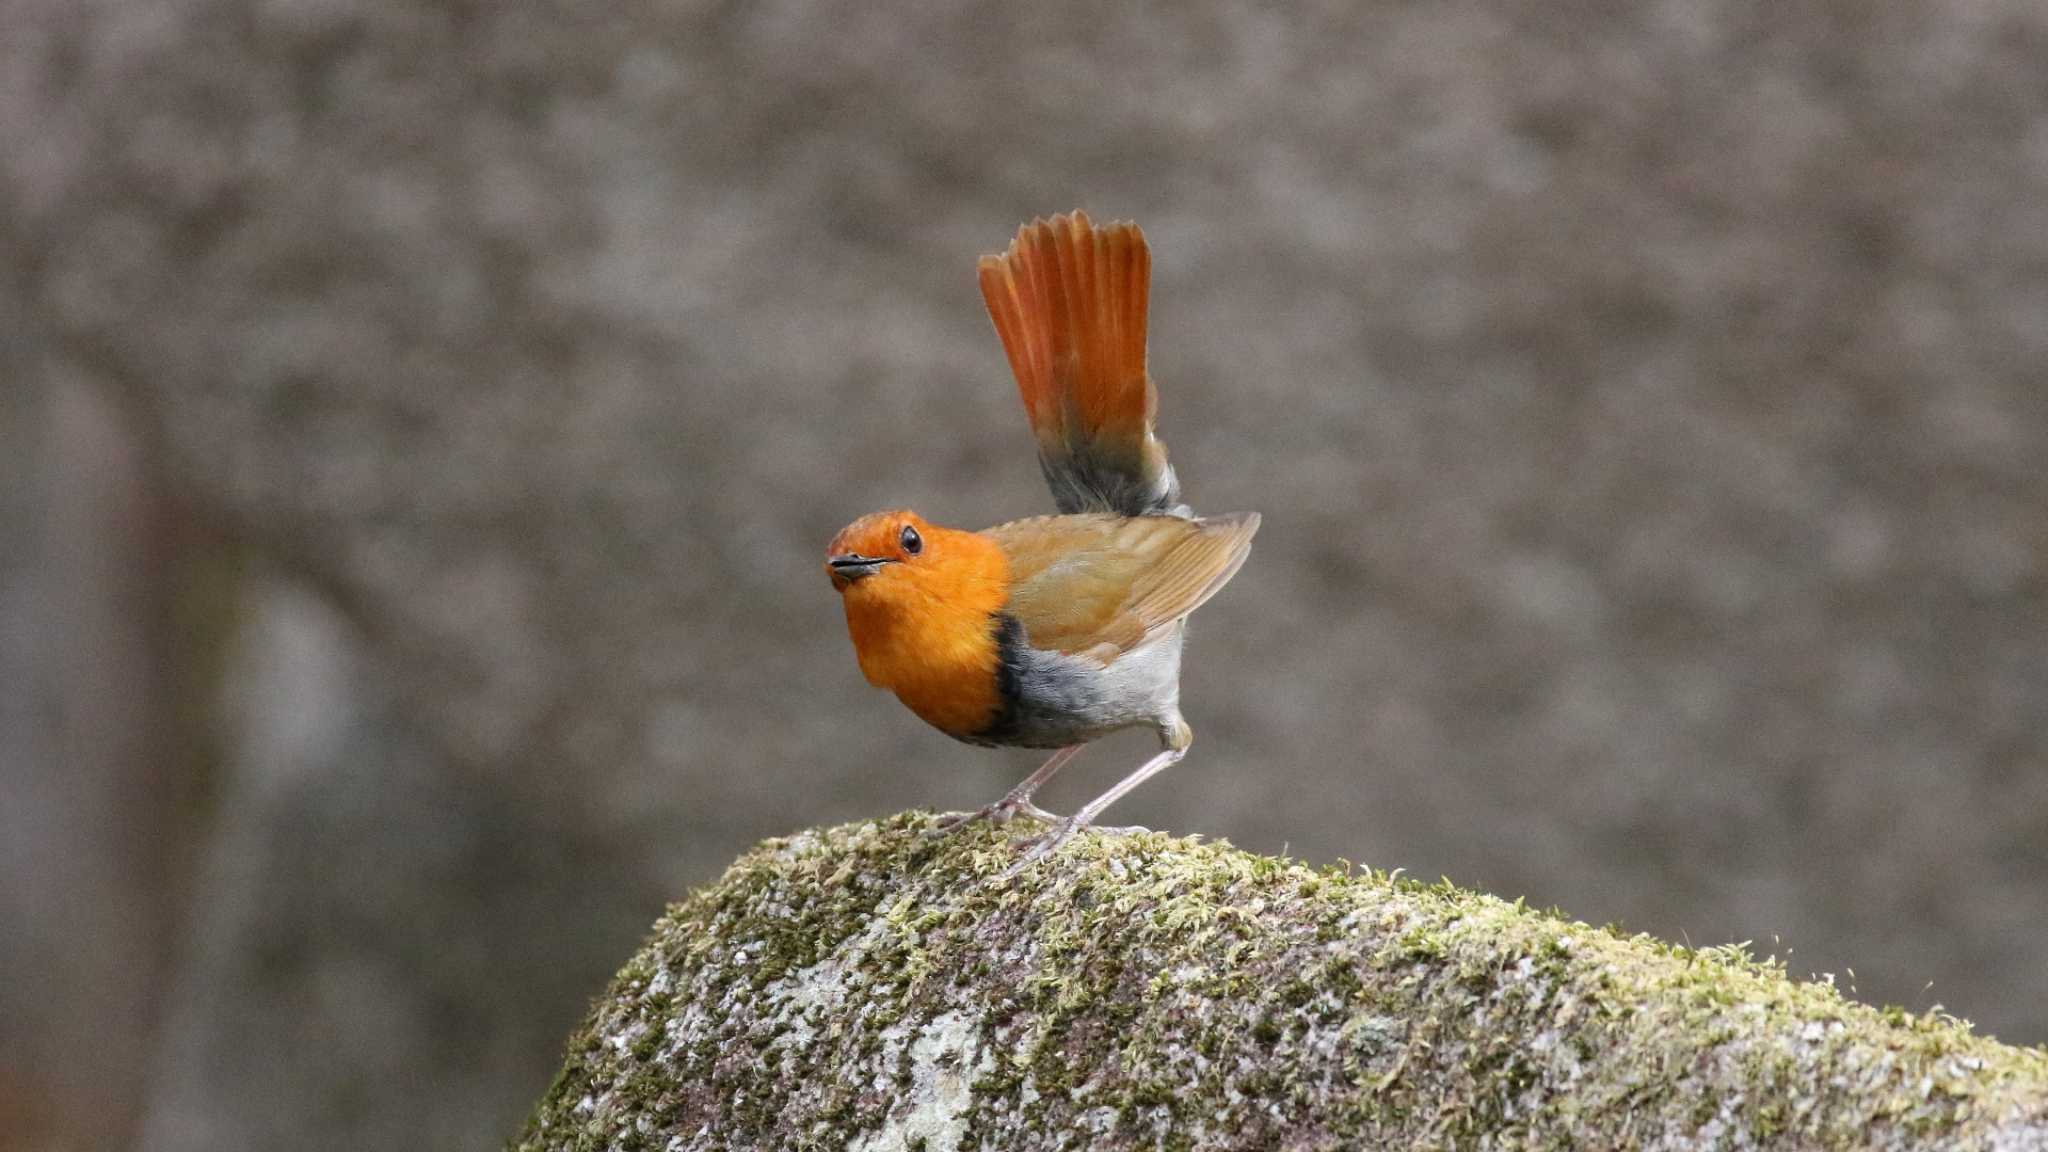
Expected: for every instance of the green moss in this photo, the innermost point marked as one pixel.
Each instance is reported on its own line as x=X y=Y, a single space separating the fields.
x=867 y=983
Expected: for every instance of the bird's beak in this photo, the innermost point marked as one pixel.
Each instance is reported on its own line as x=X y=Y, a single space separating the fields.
x=851 y=566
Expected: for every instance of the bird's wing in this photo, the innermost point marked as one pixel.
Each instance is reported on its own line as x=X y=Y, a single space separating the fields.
x=1069 y=301
x=1101 y=585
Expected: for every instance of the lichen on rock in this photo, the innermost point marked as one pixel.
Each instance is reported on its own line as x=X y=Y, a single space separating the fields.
x=868 y=987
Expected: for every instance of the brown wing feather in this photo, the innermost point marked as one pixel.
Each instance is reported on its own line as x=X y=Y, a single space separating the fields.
x=1102 y=585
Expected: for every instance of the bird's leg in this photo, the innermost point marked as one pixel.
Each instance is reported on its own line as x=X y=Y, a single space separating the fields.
x=1017 y=799
x=1095 y=807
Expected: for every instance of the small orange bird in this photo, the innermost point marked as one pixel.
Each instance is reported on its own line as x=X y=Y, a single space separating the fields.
x=1052 y=631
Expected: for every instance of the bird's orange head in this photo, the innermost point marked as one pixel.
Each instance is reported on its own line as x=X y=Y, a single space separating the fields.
x=900 y=558
x=920 y=600
x=864 y=549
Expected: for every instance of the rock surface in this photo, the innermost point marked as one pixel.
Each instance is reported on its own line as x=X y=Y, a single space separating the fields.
x=865 y=987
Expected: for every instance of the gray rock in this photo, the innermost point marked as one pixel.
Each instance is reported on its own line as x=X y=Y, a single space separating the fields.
x=862 y=988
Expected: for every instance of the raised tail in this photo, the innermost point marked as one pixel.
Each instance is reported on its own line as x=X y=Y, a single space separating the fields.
x=1069 y=301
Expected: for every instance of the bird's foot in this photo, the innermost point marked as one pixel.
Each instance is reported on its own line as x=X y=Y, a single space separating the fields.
x=1027 y=808
x=1001 y=812
x=1042 y=845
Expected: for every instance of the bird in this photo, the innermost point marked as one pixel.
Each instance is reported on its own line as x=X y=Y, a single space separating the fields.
x=1052 y=631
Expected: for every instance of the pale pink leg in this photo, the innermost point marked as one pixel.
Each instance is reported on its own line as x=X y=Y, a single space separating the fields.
x=1095 y=807
x=1018 y=799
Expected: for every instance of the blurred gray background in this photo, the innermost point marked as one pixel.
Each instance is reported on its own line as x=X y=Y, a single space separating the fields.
x=422 y=424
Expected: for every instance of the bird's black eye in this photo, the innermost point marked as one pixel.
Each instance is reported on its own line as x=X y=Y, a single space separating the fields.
x=912 y=542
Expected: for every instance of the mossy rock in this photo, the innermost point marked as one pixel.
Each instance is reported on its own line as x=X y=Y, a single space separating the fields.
x=869 y=988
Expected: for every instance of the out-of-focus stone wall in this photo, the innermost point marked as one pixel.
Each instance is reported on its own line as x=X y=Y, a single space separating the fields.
x=1644 y=401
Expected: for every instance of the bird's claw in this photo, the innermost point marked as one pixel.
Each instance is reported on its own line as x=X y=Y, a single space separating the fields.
x=955 y=821
x=1001 y=812
x=1042 y=845
x=1027 y=808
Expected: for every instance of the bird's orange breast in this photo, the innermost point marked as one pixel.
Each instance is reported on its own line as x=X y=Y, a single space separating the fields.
x=926 y=630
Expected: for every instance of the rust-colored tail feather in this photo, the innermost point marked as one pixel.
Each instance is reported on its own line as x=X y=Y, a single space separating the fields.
x=1069 y=301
